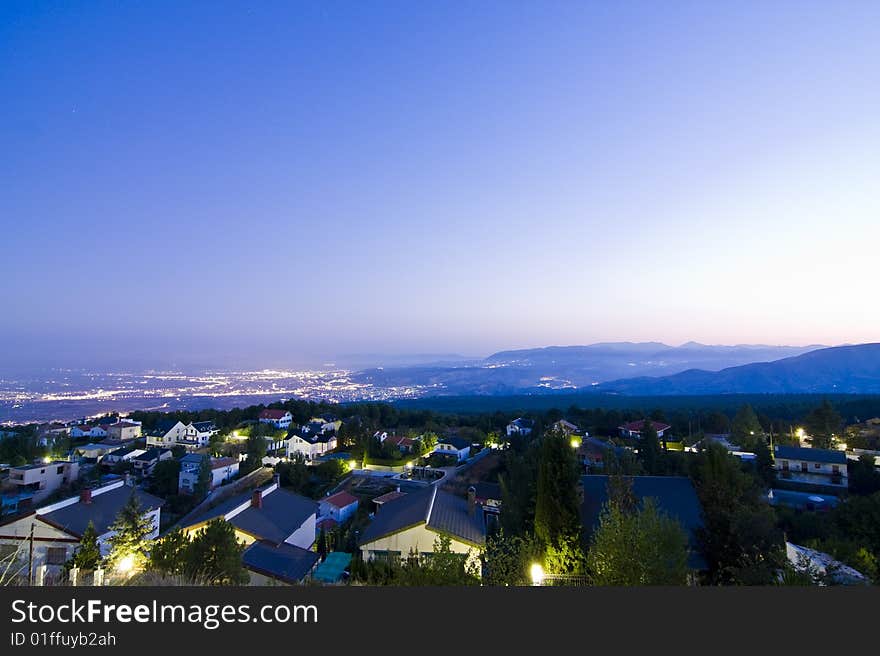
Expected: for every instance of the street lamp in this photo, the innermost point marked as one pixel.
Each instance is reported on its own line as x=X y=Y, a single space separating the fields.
x=537 y=574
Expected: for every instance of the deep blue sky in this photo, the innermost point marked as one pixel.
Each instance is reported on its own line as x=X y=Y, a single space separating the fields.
x=281 y=183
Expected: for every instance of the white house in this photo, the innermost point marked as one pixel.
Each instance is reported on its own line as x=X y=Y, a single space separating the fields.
x=278 y=528
x=810 y=466
x=122 y=454
x=338 y=507
x=520 y=426
x=311 y=441
x=91 y=432
x=414 y=521
x=167 y=433
x=58 y=527
x=222 y=469
x=453 y=445
x=278 y=418
x=43 y=479
x=201 y=432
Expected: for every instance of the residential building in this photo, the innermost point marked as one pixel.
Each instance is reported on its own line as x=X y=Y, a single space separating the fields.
x=634 y=428
x=280 y=419
x=278 y=527
x=91 y=432
x=44 y=479
x=123 y=431
x=414 y=522
x=327 y=422
x=147 y=461
x=339 y=507
x=520 y=426
x=202 y=431
x=222 y=469
x=94 y=452
x=167 y=433
x=59 y=527
x=311 y=441
x=122 y=454
x=673 y=495
x=592 y=452
x=454 y=445
x=567 y=428
x=801 y=465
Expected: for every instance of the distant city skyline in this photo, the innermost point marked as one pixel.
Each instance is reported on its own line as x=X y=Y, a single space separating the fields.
x=280 y=184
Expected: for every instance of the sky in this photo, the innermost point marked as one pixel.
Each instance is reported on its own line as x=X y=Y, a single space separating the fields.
x=284 y=183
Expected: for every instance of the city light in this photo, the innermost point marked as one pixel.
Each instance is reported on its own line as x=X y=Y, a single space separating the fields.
x=575 y=443
x=352 y=464
x=537 y=574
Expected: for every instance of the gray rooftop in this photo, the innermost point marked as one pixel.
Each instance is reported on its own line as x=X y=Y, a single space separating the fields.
x=101 y=511
x=449 y=514
x=285 y=561
x=810 y=455
x=674 y=495
x=282 y=513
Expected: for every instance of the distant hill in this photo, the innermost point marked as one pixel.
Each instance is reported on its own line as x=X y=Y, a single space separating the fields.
x=559 y=368
x=840 y=369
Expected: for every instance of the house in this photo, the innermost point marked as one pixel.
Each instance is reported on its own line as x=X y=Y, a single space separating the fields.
x=327 y=422
x=413 y=522
x=567 y=428
x=388 y=496
x=167 y=433
x=122 y=454
x=592 y=452
x=488 y=496
x=520 y=426
x=123 y=431
x=202 y=432
x=403 y=444
x=94 y=451
x=44 y=479
x=222 y=469
x=339 y=506
x=147 y=461
x=311 y=441
x=278 y=418
x=90 y=432
x=673 y=495
x=454 y=445
x=278 y=527
x=58 y=527
x=634 y=428
x=801 y=465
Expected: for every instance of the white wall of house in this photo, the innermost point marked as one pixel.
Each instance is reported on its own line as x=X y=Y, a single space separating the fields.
x=176 y=433
x=338 y=514
x=419 y=539
x=460 y=454
x=811 y=472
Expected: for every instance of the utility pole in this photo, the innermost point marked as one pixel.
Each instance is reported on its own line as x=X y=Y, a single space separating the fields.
x=31 y=557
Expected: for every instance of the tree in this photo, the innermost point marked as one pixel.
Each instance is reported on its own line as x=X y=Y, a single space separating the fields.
x=637 y=547
x=650 y=452
x=130 y=544
x=863 y=477
x=214 y=556
x=823 y=424
x=507 y=558
x=168 y=554
x=164 y=480
x=745 y=429
x=203 y=483
x=88 y=554
x=256 y=451
x=557 y=506
x=294 y=473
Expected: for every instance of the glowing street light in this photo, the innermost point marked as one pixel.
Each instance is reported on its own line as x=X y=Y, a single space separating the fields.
x=537 y=574
x=125 y=565
x=575 y=443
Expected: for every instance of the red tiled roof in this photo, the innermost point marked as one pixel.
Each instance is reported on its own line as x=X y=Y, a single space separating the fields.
x=389 y=496
x=272 y=414
x=219 y=463
x=327 y=523
x=341 y=499
x=636 y=426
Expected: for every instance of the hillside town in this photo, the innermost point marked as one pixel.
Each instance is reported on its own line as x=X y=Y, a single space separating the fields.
x=305 y=493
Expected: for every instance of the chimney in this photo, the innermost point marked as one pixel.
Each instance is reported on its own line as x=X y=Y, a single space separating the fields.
x=472 y=500
x=85 y=495
x=257 y=499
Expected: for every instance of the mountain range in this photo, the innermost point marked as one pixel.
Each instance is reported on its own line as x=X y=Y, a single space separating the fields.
x=611 y=365
x=841 y=370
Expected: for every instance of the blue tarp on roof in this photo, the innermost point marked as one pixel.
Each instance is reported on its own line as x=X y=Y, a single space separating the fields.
x=330 y=571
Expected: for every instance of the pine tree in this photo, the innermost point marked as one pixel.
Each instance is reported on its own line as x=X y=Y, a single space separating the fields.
x=214 y=556
x=88 y=554
x=650 y=452
x=557 y=507
x=131 y=529
x=203 y=483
